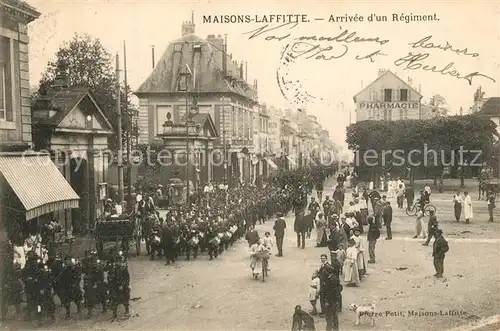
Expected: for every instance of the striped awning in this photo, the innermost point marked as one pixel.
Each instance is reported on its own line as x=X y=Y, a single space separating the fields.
x=38 y=184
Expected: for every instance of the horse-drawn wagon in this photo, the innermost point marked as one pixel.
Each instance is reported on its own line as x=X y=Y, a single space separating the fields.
x=121 y=229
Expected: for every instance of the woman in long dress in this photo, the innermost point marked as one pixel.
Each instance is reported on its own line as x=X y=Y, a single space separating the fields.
x=468 y=214
x=321 y=224
x=314 y=290
x=457 y=205
x=359 y=244
x=351 y=274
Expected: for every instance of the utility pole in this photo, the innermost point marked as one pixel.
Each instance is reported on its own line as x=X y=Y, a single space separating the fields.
x=119 y=133
x=129 y=128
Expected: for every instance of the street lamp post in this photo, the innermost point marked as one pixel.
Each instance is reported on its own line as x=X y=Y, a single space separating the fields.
x=184 y=76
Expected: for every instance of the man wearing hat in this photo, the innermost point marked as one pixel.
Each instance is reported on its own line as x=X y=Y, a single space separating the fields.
x=279 y=232
x=439 y=249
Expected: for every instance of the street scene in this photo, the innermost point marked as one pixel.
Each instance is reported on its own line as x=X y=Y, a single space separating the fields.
x=166 y=190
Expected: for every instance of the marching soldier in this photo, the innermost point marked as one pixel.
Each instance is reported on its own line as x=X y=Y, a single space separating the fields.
x=70 y=278
x=119 y=284
x=192 y=243
x=213 y=242
x=94 y=284
x=30 y=276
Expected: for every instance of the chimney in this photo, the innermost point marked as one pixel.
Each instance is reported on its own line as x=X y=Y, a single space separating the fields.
x=241 y=70
x=246 y=71
x=224 y=56
x=153 y=56
x=189 y=26
x=61 y=80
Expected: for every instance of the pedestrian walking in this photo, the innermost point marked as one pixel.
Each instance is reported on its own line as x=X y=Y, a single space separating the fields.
x=410 y=196
x=420 y=226
x=327 y=293
x=432 y=227
x=387 y=216
x=350 y=268
x=279 y=232
x=373 y=235
x=439 y=249
x=468 y=213
x=457 y=205
x=300 y=227
x=491 y=205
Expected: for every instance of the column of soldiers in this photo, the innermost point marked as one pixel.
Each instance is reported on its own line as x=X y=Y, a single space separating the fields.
x=105 y=283
x=215 y=223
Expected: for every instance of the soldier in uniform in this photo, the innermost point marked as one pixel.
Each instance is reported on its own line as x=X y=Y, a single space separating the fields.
x=70 y=278
x=30 y=276
x=46 y=303
x=12 y=288
x=192 y=242
x=94 y=285
x=119 y=284
x=213 y=242
x=168 y=241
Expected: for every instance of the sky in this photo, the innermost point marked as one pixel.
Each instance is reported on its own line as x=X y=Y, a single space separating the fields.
x=326 y=87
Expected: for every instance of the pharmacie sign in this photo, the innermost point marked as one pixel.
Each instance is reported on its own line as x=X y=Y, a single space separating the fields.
x=389 y=105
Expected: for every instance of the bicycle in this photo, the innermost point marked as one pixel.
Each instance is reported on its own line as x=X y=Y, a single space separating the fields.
x=416 y=208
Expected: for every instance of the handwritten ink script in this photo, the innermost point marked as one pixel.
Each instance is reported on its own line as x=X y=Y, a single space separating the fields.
x=336 y=46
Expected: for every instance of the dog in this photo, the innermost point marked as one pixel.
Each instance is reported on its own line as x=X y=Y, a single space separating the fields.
x=363 y=310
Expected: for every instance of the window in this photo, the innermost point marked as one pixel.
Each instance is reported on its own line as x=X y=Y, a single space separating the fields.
x=6 y=113
x=234 y=120
x=387 y=95
x=403 y=95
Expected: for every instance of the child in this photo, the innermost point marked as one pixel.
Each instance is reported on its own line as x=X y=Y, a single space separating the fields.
x=268 y=240
x=341 y=256
x=314 y=291
x=268 y=243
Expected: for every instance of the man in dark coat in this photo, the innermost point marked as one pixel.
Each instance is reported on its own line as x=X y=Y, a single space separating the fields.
x=279 y=232
x=300 y=227
x=377 y=211
x=372 y=236
x=410 y=196
x=432 y=226
x=439 y=249
x=328 y=299
x=387 y=216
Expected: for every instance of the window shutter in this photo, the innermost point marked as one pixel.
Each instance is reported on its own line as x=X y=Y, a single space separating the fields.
x=394 y=95
x=408 y=94
x=398 y=95
x=382 y=95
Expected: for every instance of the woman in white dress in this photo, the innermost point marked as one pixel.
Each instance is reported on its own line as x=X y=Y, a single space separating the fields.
x=350 y=268
x=359 y=244
x=468 y=214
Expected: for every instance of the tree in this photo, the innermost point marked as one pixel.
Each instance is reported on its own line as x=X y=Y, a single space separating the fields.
x=446 y=135
x=84 y=62
x=438 y=102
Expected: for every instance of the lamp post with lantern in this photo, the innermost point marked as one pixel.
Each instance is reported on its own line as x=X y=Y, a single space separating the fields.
x=185 y=76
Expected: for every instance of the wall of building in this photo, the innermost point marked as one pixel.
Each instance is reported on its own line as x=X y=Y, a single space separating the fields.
x=15 y=128
x=373 y=103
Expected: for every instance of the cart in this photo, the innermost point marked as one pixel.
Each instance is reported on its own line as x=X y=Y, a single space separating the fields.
x=121 y=229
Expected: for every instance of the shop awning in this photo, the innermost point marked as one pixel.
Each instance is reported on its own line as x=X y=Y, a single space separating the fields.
x=38 y=184
x=272 y=164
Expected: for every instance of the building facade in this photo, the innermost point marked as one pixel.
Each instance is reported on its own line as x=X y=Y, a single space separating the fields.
x=217 y=87
x=388 y=98
x=33 y=190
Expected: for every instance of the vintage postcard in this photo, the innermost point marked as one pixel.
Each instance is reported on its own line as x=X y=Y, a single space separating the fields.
x=249 y=165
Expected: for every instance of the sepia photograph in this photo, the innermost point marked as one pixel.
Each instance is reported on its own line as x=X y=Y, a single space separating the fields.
x=249 y=165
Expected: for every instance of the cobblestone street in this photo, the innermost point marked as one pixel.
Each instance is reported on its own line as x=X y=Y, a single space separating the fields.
x=220 y=294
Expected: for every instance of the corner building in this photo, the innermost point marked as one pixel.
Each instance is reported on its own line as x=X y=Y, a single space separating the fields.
x=219 y=88
x=388 y=98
